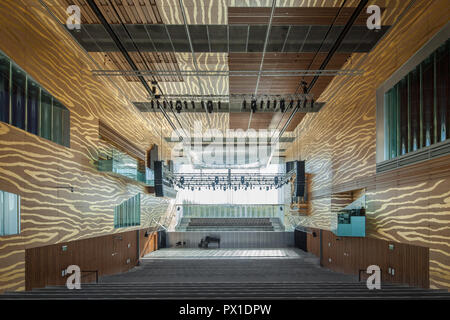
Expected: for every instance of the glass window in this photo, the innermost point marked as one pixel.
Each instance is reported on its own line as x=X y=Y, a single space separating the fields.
x=128 y=213
x=33 y=103
x=4 y=88
x=414 y=96
x=416 y=109
x=18 y=89
x=442 y=91
x=428 y=101
x=46 y=116
x=9 y=213
x=57 y=130
x=25 y=105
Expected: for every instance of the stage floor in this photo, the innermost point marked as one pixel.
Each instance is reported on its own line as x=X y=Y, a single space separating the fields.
x=225 y=253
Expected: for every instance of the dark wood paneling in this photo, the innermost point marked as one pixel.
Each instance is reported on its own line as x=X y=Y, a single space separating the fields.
x=147 y=244
x=294 y=16
x=349 y=255
x=313 y=242
x=107 y=254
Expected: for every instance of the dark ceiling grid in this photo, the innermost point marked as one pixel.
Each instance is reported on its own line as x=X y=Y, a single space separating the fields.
x=229 y=38
x=207 y=35
x=285 y=39
x=122 y=49
x=194 y=59
x=248 y=36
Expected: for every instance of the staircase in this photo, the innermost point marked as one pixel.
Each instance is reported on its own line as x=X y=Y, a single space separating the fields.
x=270 y=278
x=230 y=224
x=164 y=290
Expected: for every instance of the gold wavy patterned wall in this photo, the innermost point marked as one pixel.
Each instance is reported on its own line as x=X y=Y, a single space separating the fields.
x=36 y=168
x=339 y=145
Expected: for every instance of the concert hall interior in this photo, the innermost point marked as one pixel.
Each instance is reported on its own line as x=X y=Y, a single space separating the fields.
x=221 y=149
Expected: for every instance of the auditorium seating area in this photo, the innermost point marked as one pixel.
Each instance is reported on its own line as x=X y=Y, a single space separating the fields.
x=290 y=278
x=230 y=224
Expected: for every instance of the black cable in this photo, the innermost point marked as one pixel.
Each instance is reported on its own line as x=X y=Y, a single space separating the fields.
x=323 y=40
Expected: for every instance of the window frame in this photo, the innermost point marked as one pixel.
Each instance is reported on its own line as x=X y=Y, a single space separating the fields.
x=416 y=60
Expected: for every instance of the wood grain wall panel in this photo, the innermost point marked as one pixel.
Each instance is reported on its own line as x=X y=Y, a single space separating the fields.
x=147 y=244
x=294 y=16
x=350 y=255
x=409 y=205
x=108 y=254
x=313 y=242
x=41 y=171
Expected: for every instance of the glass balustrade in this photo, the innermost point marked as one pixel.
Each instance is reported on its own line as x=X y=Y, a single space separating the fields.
x=122 y=164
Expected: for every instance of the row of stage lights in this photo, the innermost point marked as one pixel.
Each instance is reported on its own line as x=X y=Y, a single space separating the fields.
x=235 y=185
x=282 y=105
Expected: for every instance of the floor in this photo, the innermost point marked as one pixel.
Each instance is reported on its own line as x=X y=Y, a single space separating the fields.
x=284 y=265
x=191 y=253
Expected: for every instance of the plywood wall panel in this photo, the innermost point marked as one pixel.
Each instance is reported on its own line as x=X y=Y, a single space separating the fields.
x=410 y=205
x=39 y=170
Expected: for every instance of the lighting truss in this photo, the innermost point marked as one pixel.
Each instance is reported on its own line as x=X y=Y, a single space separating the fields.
x=228 y=73
x=238 y=97
x=230 y=181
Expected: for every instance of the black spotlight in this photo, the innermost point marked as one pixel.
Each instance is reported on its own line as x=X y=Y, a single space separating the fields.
x=216 y=180
x=274 y=104
x=242 y=179
x=291 y=104
x=298 y=104
x=218 y=105
x=158 y=104
x=182 y=180
x=202 y=103
x=152 y=103
x=276 y=180
x=304 y=87
x=185 y=105
x=312 y=103
x=171 y=104
x=244 y=104
x=304 y=103
x=261 y=104
x=282 y=106
x=253 y=106
x=268 y=104
x=209 y=106
x=164 y=104
x=178 y=106
x=193 y=104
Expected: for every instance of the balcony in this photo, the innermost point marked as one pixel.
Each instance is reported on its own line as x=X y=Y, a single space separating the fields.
x=122 y=165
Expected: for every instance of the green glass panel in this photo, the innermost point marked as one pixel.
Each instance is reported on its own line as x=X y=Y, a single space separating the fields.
x=18 y=97
x=428 y=101
x=443 y=91
x=57 y=133
x=65 y=118
x=4 y=88
x=46 y=116
x=33 y=102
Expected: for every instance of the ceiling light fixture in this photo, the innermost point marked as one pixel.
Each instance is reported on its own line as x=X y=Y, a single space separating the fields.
x=178 y=106
x=253 y=105
x=209 y=106
x=282 y=106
